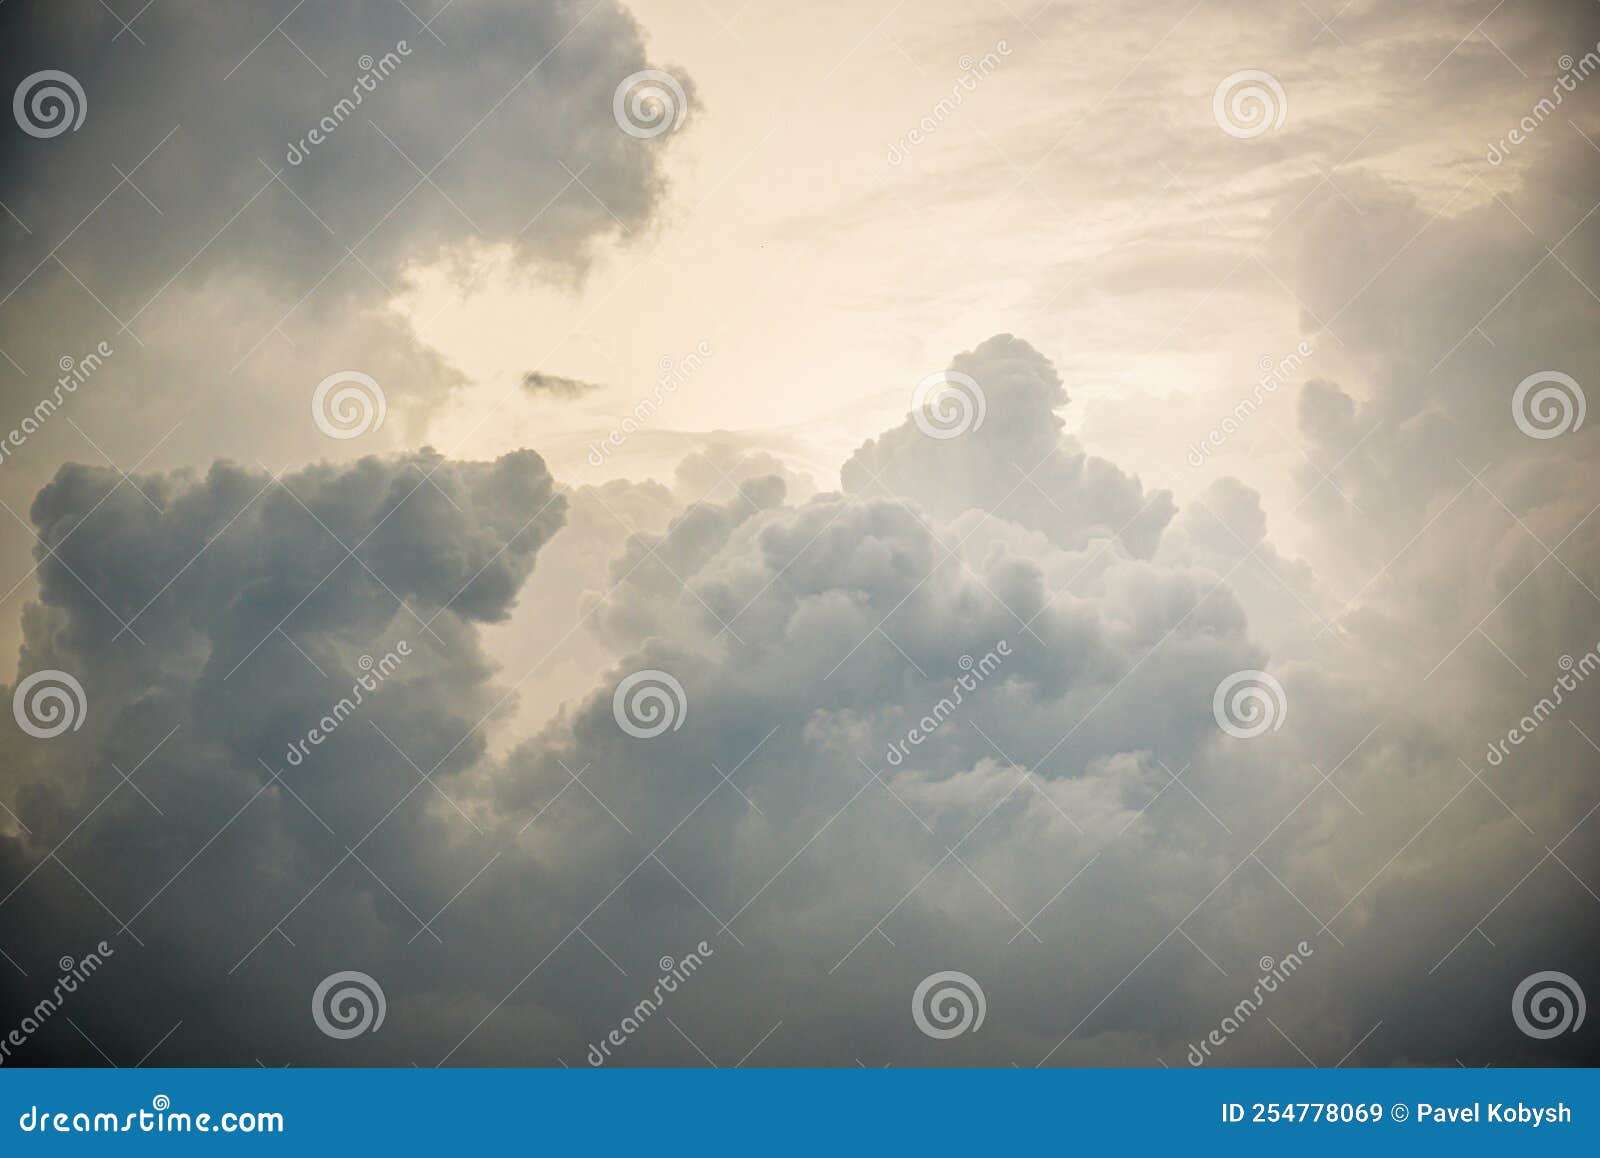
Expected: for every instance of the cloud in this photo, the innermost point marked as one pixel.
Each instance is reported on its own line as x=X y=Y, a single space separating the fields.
x=235 y=263
x=957 y=715
x=481 y=101
x=553 y=385
x=1010 y=457
x=262 y=604
x=955 y=731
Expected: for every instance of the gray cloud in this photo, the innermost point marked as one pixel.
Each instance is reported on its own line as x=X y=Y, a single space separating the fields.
x=1077 y=832
x=232 y=263
x=479 y=100
x=809 y=641
x=258 y=636
x=555 y=386
x=1014 y=460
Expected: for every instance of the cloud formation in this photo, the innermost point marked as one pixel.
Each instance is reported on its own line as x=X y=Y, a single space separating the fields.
x=1011 y=458
x=966 y=713
x=907 y=742
x=232 y=262
x=537 y=382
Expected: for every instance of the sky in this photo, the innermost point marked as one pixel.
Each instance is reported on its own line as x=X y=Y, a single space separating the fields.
x=709 y=532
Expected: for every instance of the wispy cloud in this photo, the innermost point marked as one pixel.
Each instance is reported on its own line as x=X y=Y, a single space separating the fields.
x=537 y=382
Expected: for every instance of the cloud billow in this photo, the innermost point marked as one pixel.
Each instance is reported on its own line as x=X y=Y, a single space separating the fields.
x=964 y=722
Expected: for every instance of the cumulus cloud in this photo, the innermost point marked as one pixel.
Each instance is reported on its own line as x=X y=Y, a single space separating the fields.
x=239 y=617
x=1011 y=459
x=905 y=742
x=960 y=714
x=232 y=262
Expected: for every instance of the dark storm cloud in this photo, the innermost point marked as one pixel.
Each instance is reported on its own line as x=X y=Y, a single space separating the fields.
x=264 y=605
x=1052 y=836
x=488 y=101
x=761 y=642
x=431 y=139
x=784 y=820
x=247 y=188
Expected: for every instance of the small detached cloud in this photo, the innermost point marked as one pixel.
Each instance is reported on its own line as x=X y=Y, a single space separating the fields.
x=538 y=383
